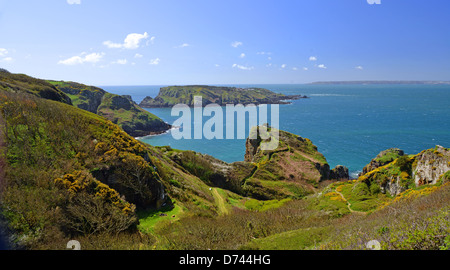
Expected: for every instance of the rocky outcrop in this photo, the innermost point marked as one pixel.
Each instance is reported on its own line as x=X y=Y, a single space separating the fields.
x=405 y=172
x=296 y=164
x=294 y=169
x=430 y=165
x=87 y=97
x=339 y=173
x=383 y=158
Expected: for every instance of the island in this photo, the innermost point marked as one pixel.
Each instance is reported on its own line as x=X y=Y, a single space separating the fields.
x=221 y=95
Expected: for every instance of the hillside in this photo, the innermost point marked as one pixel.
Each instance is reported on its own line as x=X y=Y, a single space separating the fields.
x=67 y=173
x=121 y=110
x=70 y=173
x=25 y=84
x=172 y=95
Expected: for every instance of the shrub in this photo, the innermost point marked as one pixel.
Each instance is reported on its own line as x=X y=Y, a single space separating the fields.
x=404 y=163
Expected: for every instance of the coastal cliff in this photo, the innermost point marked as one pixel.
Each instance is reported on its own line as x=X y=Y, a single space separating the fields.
x=396 y=172
x=172 y=95
x=121 y=110
x=293 y=170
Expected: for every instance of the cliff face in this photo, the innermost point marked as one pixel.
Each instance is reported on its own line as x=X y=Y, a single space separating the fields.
x=131 y=118
x=430 y=165
x=401 y=172
x=83 y=96
x=121 y=110
x=172 y=95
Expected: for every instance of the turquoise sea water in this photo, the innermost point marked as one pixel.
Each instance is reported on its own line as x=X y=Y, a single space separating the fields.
x=350 y=124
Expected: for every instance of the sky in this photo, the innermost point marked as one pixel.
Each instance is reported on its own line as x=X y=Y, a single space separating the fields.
x=168 y=42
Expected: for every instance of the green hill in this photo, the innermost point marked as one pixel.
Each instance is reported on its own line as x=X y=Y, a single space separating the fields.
x=21 y=83
x=68 y=173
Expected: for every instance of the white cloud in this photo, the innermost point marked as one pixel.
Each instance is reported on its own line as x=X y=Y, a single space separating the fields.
x=82 y=58
x=3 y=52
x=242 y=55
x=131 y=42
x=183 y=45
x=138 y=55
x=6 y=59
x=263 y=53
x=121 y=62
x=359 y=67
x=283 y=66
x=321 y=66
x=305 y=68
x=72 y=2
x=312 y=58
x=242 y=67
x=236 y=44
x=269 y=58
x=150 y=41
x=216 y=65
x=295 y=68
x=155 y=61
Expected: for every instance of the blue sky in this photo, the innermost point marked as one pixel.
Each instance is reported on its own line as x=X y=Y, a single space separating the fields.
x=142 y=42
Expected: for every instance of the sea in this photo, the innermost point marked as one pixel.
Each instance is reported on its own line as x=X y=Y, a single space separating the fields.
x=349 y=123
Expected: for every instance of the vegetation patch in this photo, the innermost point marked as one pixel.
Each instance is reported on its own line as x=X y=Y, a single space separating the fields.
x=300 y=239
x=256 y=205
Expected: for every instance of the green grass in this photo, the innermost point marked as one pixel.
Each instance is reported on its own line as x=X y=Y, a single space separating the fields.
x=149 y=219
x=388 y=157
x=360 y=197
x=261 y=206
x=300 y=239
x=334 y=205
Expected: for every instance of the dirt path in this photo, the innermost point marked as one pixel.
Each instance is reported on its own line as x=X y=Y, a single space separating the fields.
x=349 y=205
x=223 y=210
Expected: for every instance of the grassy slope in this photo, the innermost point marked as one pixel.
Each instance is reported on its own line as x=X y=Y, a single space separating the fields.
x=26 y=84
x=48 y=140
x=288 y=171
x=361 y=213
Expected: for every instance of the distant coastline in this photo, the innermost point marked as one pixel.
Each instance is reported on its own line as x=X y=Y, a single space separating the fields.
x=384 y=82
